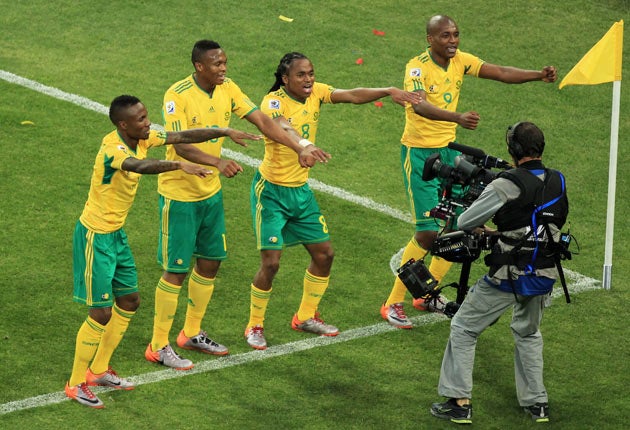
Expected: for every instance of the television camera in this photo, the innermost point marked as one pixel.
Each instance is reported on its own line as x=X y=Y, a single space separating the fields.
x=461 y=185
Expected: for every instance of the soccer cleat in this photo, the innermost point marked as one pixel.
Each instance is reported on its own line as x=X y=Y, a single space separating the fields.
x=395 y=315
x=201 y=342
x=82 y=394
x=451 y=411
x=256 y=337
x=314 y=325
x=539 y=412
x=167 y=357
x=109 y=378
x=436 y=304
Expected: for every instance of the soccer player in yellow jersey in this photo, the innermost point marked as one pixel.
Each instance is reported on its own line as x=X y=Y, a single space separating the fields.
x=284 y=209
x=437 y=74
x=105 y=277
x=191 y=210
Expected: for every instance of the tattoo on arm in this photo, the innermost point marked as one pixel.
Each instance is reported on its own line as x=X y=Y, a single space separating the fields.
x=195 y=135
x=149 y=166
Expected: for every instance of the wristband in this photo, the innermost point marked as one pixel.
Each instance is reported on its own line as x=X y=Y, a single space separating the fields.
x=305 y=142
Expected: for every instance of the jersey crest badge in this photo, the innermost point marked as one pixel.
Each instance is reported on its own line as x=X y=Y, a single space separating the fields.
x=416 y=73
x=170 y=108
x=274 y=104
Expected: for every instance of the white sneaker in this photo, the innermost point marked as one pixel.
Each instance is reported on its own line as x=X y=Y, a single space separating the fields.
x=109 y=378
x=314 y=325
x=82 y=394
x=256 y=337
x=395 y=315
x=201 y=342
x=167 y=357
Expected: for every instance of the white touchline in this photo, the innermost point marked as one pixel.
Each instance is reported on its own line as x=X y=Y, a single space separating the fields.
x=579 y=282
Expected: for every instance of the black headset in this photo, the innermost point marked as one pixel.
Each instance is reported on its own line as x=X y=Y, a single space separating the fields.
x=514 y=146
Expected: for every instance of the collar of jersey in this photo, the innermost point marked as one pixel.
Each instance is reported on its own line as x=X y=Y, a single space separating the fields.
x=435 y=62
x=210 y=94
x=294 y=99
x=125 y=143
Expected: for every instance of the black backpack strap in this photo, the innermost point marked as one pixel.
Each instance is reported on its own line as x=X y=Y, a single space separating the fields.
x=557 y=256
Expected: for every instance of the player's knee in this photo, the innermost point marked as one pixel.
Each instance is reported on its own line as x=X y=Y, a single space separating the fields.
x=270 y=267
x=323 y=259
x=101 y=315
x=130 y=302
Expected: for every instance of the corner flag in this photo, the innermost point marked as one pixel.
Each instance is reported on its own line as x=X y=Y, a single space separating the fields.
x=603 y=64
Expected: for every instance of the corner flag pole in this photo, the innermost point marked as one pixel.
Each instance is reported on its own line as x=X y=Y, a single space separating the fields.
x=602 y=63
x=612 y=182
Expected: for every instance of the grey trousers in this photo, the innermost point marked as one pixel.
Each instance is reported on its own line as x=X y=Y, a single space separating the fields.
x=483 y=305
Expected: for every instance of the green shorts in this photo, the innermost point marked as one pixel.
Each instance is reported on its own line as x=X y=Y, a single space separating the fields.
x=191 y=229
x=285 y=216
x=103 y=267
x=425 y=195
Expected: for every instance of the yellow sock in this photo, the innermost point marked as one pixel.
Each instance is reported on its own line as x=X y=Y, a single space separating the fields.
x=88 y=339
x=439 y=267
x=412 y=250
x=258 y=306
x=314 y=288
x=200 y=291
x=166 y=295
x=114 y=332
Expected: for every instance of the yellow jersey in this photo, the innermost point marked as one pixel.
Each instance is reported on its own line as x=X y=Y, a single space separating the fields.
x=186 y=106
x=112 y=190
x=442 y=87
x=280 y=164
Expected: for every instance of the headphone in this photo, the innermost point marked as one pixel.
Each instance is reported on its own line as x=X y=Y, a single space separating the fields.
x=514 y=146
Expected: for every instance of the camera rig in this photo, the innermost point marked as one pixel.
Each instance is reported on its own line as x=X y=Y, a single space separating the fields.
x=471 y=174
x=462 y=183
x=458 y=247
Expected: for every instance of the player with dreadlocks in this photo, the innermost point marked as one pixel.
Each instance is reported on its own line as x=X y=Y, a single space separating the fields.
x=284 y=209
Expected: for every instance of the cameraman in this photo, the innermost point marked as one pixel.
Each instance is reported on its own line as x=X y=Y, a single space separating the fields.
x=529 y=198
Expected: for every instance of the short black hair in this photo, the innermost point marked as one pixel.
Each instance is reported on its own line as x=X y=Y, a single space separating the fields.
x=201 y=47
x=119 y=104
x=525 y=139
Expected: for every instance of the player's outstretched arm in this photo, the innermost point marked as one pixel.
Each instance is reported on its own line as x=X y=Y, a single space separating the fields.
x=468 y=120
x=153 y=167
x=366 y=95
x=197 y=135
x=514 y=75
x=228 y=168
x=308 y=153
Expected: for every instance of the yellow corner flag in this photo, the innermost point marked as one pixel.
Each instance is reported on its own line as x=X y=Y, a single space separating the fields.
x=602 y=63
